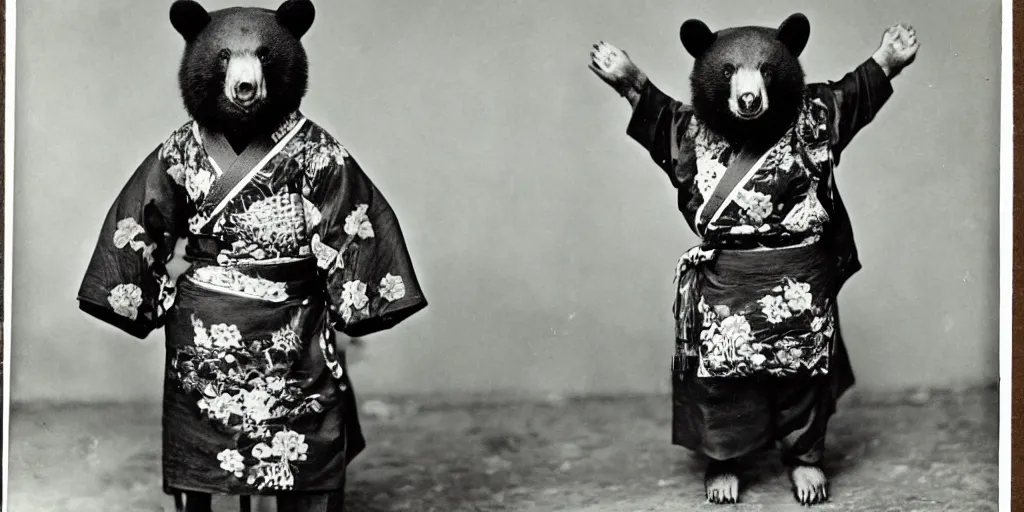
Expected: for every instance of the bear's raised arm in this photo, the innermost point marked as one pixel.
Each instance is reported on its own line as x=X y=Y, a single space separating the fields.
x=614 y=67
x=659 y=124
x=854 y=101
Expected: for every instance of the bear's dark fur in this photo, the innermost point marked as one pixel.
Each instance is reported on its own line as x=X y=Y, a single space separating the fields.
x=212 y=38
x=775 y=52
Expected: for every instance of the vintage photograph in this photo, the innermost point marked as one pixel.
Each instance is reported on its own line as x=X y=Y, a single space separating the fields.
x=462 y=255
x=5 y=324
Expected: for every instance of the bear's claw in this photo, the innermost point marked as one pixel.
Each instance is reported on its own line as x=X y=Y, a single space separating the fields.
x=810 y=487
x=721 y=483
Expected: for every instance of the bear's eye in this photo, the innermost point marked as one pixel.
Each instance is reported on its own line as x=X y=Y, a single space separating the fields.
x=263 y=54
x=729 y=69
x=766 y=72
x=225 y=55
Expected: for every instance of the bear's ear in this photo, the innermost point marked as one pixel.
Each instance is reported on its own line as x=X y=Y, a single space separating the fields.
x=189 y=18
x=296 y=16
x=696 y=37
x=794 y=33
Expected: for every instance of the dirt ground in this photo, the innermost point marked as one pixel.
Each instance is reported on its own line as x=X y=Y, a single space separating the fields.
x=909 y=452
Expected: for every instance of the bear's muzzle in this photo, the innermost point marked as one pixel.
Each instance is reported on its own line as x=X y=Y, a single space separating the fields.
x=243 y=83
x=749 y=97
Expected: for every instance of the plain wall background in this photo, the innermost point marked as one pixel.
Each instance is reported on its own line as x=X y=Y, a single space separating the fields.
x=545 y=239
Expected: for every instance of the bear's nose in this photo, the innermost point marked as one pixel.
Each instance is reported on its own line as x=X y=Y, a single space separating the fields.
x=750 y=102
x=245 y=90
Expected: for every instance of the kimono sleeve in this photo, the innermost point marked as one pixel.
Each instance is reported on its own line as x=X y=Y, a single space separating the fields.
x=361 y=253
x=126 y=283
x=659 y=124
x=854 y=101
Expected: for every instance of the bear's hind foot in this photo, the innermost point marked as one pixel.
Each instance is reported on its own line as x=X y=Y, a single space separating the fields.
x=810 y=486
x=722 y=482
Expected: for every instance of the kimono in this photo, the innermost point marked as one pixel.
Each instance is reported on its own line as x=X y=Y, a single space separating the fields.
x=288 y=242
x=759 y=356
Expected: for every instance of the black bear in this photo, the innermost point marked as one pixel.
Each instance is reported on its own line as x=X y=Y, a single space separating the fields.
x=286 y=240
x=759 y=356
x=746 y=80
x=244 y=69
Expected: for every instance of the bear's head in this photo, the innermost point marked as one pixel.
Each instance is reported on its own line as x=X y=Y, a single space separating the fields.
x=243 y=70
x=747 y=80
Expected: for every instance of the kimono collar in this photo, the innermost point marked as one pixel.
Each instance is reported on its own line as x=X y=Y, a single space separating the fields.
x=233 y=170
x=224 y=156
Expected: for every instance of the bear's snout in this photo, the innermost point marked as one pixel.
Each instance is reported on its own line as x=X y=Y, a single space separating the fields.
x=749 y=98
x=243 y=81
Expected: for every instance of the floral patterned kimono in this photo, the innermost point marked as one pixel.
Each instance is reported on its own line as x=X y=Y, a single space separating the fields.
x=756 y=314
x=287 y=242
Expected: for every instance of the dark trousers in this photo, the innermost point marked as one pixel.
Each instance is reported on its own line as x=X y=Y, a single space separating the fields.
x=726 y=418
x=288 y=502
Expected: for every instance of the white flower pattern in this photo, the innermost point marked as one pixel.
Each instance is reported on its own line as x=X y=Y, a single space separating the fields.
x=247 y=395
x=392 y=288
x=708 y=176
x=731 y=344
x=221 y=407
x=798 y=296
x=127 y=229
x=125 y=299
x=709 y=150
x=290 y=446
x=326 y=256
x=775 y=309
x=755 y=205
x=225 y=336
x=232 y=462
x=262 y=452
x=177 y=173
x=353 y=296
x=198 y=183
x=736 y=329
x=258 y=405
x=807 y=216
x=357 y=223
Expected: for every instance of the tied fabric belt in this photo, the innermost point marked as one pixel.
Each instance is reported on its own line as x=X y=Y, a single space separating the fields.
x=296 y=277
x=754 y=312
x=277 y=282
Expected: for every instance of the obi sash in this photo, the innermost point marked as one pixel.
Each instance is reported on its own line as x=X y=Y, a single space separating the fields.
x=281 y=282
x=292 y=281
x=745 y=313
